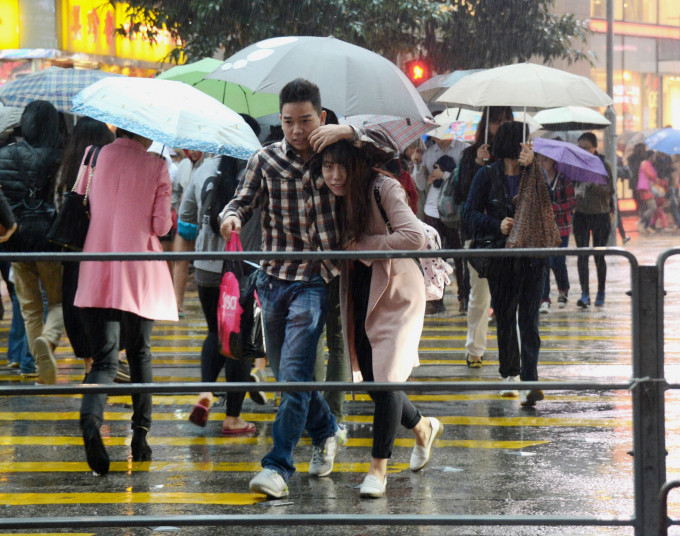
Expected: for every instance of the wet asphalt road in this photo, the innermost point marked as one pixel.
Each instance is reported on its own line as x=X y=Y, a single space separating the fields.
x=568 y=456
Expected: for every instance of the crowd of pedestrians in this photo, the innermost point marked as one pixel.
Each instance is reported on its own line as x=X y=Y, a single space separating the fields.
x=318 y=186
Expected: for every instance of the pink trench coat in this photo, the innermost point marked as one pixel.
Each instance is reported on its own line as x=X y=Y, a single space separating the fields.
x=396 y=307
x=130 y=204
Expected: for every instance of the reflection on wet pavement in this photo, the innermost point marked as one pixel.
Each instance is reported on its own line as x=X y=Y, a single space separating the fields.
x=568 y=456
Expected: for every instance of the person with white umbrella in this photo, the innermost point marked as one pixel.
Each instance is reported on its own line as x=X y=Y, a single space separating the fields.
x=298 y=214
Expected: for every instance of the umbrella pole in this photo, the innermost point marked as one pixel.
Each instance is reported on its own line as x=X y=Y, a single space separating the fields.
x=524 y=125
x=486 y=130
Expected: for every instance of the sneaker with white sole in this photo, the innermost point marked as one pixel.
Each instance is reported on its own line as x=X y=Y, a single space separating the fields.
x=544 y=308
x=323 y=456
x=510 y=393
x=270 y=483
x=45 y=361
x=259 y=397
x=528 y=399
x=562 y=300
x=372 y=488
x=421 y=455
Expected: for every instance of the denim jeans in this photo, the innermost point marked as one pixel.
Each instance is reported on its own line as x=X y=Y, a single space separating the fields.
x=293 y=314
x=17 y=346
x=558 y=264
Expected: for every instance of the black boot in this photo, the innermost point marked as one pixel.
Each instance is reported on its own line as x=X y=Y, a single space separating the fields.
x=97 y=458
x=141 y=451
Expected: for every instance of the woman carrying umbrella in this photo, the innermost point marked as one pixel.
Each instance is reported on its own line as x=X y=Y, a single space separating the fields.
x=516 y=284
x=382 y=301
x=130 y=204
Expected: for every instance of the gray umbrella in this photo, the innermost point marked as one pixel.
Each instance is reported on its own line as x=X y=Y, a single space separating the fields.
x=10 y=117
x=352 y=80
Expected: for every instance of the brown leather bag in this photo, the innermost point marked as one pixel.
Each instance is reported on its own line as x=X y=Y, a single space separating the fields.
x=535 y=225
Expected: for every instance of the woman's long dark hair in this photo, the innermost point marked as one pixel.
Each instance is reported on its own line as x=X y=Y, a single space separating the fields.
x=87 y=132
x=40 y=125
x=355 y=206
x=224 y=188
x=496 y=113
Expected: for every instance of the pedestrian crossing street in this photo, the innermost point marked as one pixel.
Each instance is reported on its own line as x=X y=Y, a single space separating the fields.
x=194 y=470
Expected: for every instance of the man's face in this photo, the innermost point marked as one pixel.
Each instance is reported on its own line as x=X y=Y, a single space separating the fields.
x=584 y=144
x=299 y=120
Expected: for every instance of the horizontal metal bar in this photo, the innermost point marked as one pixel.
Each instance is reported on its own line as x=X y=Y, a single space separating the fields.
x=308 y=519
x=218 y=387
x=312 y=255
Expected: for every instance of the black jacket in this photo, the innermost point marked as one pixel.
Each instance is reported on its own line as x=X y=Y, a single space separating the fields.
x=23 y=168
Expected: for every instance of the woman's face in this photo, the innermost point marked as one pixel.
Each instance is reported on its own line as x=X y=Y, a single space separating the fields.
x=414 y=152
x=335 y=176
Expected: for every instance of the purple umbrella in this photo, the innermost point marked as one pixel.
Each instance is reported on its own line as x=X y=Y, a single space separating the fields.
x=576 y=163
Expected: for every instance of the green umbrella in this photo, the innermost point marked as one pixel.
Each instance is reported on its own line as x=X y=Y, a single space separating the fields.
x=238 y=98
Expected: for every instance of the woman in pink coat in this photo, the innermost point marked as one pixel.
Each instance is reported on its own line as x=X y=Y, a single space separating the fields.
x=130 y=204
x=382 y=302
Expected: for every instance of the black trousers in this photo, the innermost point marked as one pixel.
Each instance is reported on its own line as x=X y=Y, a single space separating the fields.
x=599 y=225
x=103 y=328
x=391 y=407
x=75 y=329
x=212 y=360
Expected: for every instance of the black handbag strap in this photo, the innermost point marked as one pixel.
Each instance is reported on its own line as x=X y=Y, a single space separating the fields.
x=376 y=193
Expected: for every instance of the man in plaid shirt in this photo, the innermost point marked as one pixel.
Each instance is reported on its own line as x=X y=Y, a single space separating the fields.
x=298 y=214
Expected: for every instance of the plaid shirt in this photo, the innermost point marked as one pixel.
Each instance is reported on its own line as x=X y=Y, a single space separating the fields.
x=563 y=203
x=298 y=213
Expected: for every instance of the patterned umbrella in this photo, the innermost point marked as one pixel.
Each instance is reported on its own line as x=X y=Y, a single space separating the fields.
x=170 y=112
x=403 y=131
x=56 y=85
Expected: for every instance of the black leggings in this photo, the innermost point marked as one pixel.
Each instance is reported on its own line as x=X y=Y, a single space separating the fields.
x=391 y=407
x=599 y=225
x=212 y=360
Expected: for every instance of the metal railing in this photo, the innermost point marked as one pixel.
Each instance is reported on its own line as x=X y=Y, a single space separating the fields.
x=647 y=386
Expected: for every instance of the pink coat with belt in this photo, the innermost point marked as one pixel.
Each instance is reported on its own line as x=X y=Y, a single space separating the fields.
x=130 y=205
x=396 y=305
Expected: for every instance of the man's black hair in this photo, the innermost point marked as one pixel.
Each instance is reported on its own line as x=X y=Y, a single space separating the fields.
x=507 y=143
x=300 y=90
x=590 y=138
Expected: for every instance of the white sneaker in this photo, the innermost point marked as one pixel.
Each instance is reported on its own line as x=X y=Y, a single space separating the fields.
x=372 y=488
x=420 y=456
x=544 y=308
x=324 y=455
x=510 y=393
x=45 y=361
x=270 y=483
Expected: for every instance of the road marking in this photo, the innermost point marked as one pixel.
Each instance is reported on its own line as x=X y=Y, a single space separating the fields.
x=234 y=499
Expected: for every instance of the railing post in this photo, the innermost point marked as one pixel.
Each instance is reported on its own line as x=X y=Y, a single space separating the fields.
x=648 y=399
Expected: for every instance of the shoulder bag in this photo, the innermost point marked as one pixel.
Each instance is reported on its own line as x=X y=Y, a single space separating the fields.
x=73 y=220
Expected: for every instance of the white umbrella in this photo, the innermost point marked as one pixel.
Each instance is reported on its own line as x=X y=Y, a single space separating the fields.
x=352 y=80
x=571 y=118
x=436 y=85
x=525 y=85
x=170 y=112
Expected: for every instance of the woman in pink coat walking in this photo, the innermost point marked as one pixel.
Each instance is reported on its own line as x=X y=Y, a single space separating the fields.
x=382 y=302
x=130 y=204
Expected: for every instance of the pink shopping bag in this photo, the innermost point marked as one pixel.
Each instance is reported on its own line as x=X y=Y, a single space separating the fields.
x=229 y=309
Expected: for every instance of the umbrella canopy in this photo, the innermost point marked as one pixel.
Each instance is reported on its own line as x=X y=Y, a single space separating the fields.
x=55 y=85
x=571 y=118
x=456 y=123
x=402 y=131
x=238 y=98
x=576 y=163
x=525 y=85
x=169 y=112
x=436 y=85
x=352 y=80
x=10 y=117
x=665 y=141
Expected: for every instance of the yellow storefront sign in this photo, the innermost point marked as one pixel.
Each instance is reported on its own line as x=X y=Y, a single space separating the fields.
x=9 y=24
x=88 y=26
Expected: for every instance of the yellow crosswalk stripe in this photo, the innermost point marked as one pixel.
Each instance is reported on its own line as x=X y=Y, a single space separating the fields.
x=218 y=441
x=262 y=417
x=233 y=499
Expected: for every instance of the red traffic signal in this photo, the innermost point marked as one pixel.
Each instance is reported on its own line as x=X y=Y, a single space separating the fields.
x=418 y=71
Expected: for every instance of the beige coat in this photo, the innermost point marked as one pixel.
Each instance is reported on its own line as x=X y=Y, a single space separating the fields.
x=396 y=308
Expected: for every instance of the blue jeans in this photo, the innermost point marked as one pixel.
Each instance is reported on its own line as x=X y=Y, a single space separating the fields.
x=558 y=264
x=293 y=314
x=17 y=347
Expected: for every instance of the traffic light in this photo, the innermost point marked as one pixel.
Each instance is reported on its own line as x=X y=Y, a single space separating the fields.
x=418 y=71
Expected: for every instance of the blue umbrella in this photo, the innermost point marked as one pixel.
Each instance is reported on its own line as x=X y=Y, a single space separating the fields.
x=55 y=85
x=576 y=163
x=665 y=141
